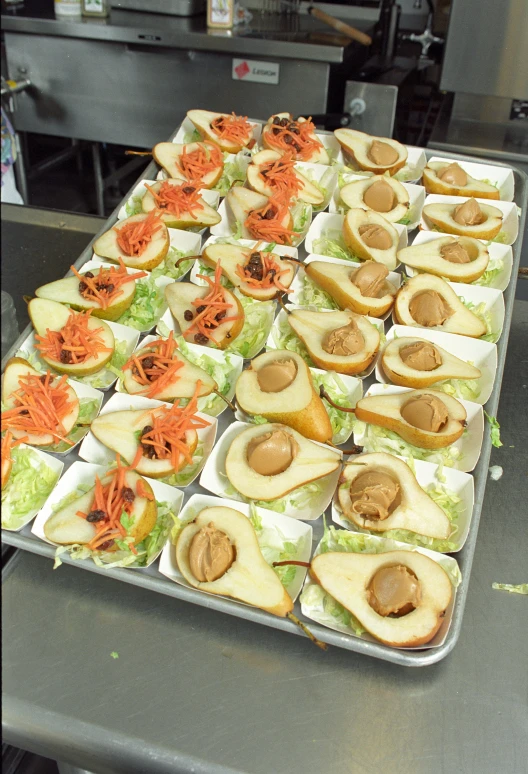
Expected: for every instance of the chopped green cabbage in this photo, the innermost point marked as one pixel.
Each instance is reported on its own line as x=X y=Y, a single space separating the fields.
x=222 y=372
x=379 y=439
x=236 y=231
x=167 y=268
x=258 y=419
x=494 y=268
x=147 y=306
x=29 y=485
x=302 y=216
x=257 y=325
x=501 y=238
x=312 y=295
x=88 y=410
x=234 y=173
x=494 y=430
x=479 y=310
x=285 y=338
x=297 y=499
x=192 y=135
x=468 y=389
x=134 y=205
x=521 y=588
x=342 y=422
x=186 y=475
x=276 y=548
x=331 y=243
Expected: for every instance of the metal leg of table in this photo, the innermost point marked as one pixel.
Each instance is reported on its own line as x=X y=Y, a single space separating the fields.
x=20 y=170
x=98 y=175
x=66 y=768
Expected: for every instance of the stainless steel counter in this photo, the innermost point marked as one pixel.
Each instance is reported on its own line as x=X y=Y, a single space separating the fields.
x=193 y=690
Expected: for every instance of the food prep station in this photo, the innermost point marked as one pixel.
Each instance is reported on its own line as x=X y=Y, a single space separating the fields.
x=150 y=579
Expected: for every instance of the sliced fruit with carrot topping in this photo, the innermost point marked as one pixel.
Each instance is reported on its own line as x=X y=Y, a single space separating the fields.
x=179 y=204
x=209 y=315
x=199 y=161
x=257 y=274
x=158 y=441
x=41 y=408
x=141 y=242
x=230 y=132
x=270 y=173
x=160 y=371
x=262 y=217
x=285 y=135
x=120 y=506
x=70 y=342
x=107 y=292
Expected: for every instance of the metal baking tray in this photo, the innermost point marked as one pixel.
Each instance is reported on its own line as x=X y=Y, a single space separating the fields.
x=151 y=579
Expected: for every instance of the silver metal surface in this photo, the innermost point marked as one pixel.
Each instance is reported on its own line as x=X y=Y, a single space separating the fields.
x=151 y=579
x=372 y=107
x=170 y=7
x=486 y=50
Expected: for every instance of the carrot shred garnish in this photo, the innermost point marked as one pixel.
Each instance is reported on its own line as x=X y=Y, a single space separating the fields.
x=196 y=164
x=142 y=492
x=155 y=367
x=280 y=176
x=270 y=229
x=211 y=310
x=106 y=286
x=232 y=128
x=271 y=273
x=134 y=237
x=177 y=199
x=41 y=405
x=297 y=137
x=8 y=444
x=75 y=342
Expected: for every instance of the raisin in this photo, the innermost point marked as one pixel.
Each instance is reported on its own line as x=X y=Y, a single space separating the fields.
x=295 y=130
x=269 y=215
x=106 y=545
x=200 y=309
x=96 y=515
x=288 y=139
x=65 y=356
x=109 y=288
x=275 y=130
x=221 y=315
x=148 y=362
x=89 y=274
x=43 y=378
x=127 y=494
x=264 y=172
x=255 y=257
x=200 y=338
x=24 y=411
x=188 y=315
x=297 y=147
x=147 y=429
x=276 y=121
x=284 y=122
x=188 y=189
x=83 y=287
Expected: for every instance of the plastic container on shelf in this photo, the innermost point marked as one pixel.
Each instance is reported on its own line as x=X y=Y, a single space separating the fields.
x=98 y=8
x=220 y=14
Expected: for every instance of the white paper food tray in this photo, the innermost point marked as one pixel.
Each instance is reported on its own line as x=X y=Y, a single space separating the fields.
x=187 y=128
x=289 y=528
x=228 y=224
x=510 y=218
x=395 y=278
x=94 y=451
x=416 y=200
x=215 y=480
x=84 y=473
x=56 y=465
x=326 y=221
x=481 y=354
x=212 y=198
x=469 y=443
x=461 y=484
x=315 y=173
x=410 y=173
x=501 y=177
x=216 y=354
x=495 y=250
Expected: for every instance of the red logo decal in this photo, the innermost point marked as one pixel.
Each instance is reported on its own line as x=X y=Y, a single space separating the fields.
x=242 y=69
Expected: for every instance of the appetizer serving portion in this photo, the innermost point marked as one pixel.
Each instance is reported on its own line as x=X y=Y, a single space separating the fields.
x=451 y=179
x=197 y=162
x=273 y=173
x=411 y=361
x=296 y=137
x=461 y=259
x=469 y=218
x=261 y=217
x=372 y=154
x=379 y=194
x=141 y=242
x=231 y=133
x=179 y=204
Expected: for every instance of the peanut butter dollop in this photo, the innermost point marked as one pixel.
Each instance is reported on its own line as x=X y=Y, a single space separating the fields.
x=380 y=196
x=429 y=308
x=468 y=214
x=455 y=253
x=374 y=495
x=421 y=355
x=426 y=412
x=271 y=453
x=453 y=174
x=370 y=279
x=277 y=375
x=211 y=554
x=382 y=154
x=394 y=591
x=375 y=236
x=347 y=340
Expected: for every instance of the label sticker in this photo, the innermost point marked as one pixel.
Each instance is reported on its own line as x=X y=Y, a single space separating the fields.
x=257 y=72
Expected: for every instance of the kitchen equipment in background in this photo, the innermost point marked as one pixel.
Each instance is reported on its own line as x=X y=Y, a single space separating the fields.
x=170 y=7
x=9 y=322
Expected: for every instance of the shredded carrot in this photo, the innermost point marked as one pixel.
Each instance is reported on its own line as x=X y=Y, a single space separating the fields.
x=41 y=405
x=156 y=366
x=280 y=176
x=142 y=492
x=177 y=199
x=106 y=286
x=75 y=342
x=8 y=444
x=211 y=310
x=196 y=164
x=296 y=136
x=271 y=273
x=135 y=236
x=270 y=229
x=232 y=128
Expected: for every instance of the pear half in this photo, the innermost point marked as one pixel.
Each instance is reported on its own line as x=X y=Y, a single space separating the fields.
x=359 y=146
x=107 y=246
x=202 y=120
x=354 y=220
x=66 y=528
x=15 y=369
x=335 y=279
x=242 y=201
x=167 y=155
x=440 y=215
x=179 y=296
x=434 y=184
x=312 y=328
x=427 y=257
x=416 y=511
x=249 y=579
x=200 y=218
x=183 y=386
x=50 y=315
x=346 y=577
x=385 y=411
x=298 y=405
x=309 y=464
x=66 y=291
x=120 y=431
x=231 y=256
x=399 y=373
x=461 y=321
x=353 y=196
x=319 y=155
x=256 y=180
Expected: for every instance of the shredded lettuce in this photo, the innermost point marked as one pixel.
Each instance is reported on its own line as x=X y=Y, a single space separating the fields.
x=192 y=135
x=297 y=499
x=147 y=306
x=134 y=205
x=331 y=243
x=302 y=217
x=30 y=483
x=494 y=268
x=167 y=268
x=208 y=271
x=312 y=295
x=285 y=338
x=257 y=325
x=342 y=422
x=275 y=547
x=186 y=475
x=501 y=238
x=323 y=185
x=88 y=409
x=479 y=310
x=468 y=389
x=223 y=372
x=234 y=173
x=236 y=231
x=379 y=439
x=521 y=588
x=494 y=430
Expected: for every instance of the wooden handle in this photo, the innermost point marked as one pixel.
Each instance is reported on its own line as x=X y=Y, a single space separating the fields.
x=346 y=29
